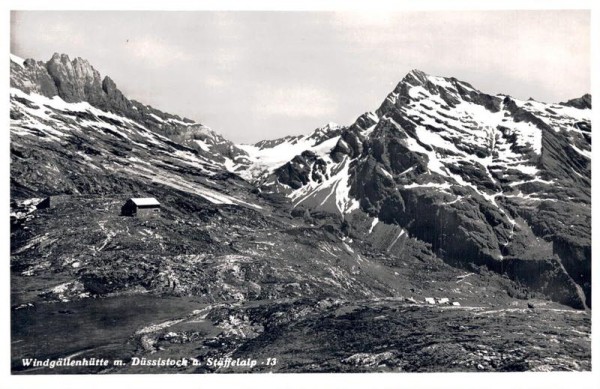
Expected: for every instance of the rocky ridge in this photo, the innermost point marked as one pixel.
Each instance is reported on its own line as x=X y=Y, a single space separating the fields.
x=76 y=81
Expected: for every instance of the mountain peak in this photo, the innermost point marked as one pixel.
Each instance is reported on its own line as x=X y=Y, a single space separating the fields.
x=418 y=85
x=418 y=77
x=329 y=126
x=418 y=73
x=59 y=57
x=76 y=81
x=325 y=132
x=415 y=77
x=583 y=102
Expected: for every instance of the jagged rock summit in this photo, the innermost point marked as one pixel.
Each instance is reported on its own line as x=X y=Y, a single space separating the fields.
x=76 y=81
x=73 y=80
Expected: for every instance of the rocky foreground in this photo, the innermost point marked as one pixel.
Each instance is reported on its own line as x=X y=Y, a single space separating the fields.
x=265 y=293
x=301 y=335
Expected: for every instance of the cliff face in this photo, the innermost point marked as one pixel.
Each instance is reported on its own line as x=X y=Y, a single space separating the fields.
x=32 y=76
x=75 y=80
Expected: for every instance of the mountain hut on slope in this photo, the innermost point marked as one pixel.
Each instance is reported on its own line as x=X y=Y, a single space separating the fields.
x=53 y=201
x=141 y=207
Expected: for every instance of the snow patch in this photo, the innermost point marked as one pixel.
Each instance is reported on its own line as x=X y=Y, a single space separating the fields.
x=375 y=221
x=18 y=60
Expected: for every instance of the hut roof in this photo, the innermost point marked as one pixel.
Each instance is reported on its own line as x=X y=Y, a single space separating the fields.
x=145 y=201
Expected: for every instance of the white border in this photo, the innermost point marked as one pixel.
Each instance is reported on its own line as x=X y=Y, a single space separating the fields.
x=370 y=380
x=297 y=5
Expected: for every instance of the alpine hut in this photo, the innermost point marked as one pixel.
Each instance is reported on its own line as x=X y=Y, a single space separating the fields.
x=141 y=206
x=53 y=201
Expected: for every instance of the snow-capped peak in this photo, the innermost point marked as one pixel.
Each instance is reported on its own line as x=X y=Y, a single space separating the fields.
x=321 y=132
x=331 y=125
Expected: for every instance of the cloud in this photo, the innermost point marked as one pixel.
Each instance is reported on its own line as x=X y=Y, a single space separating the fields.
x=297 y=101
x=155 y=53
x=226 y=59
x=213 y=81
x=63 y=33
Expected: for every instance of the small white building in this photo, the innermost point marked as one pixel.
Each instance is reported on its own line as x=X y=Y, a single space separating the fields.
x=141 y=206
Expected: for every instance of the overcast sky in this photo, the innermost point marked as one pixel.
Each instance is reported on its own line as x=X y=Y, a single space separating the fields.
x=259 y=75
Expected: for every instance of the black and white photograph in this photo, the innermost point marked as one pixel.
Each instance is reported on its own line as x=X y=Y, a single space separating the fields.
x=223 y=192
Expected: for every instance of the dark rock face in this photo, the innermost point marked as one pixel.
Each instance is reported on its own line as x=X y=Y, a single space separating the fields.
x=304 y=167
x=576 y=257
x=75 y=80
x=350 y=144
x=32 y=77
x=115 y=96
x=582 y=102
x=547 y=276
